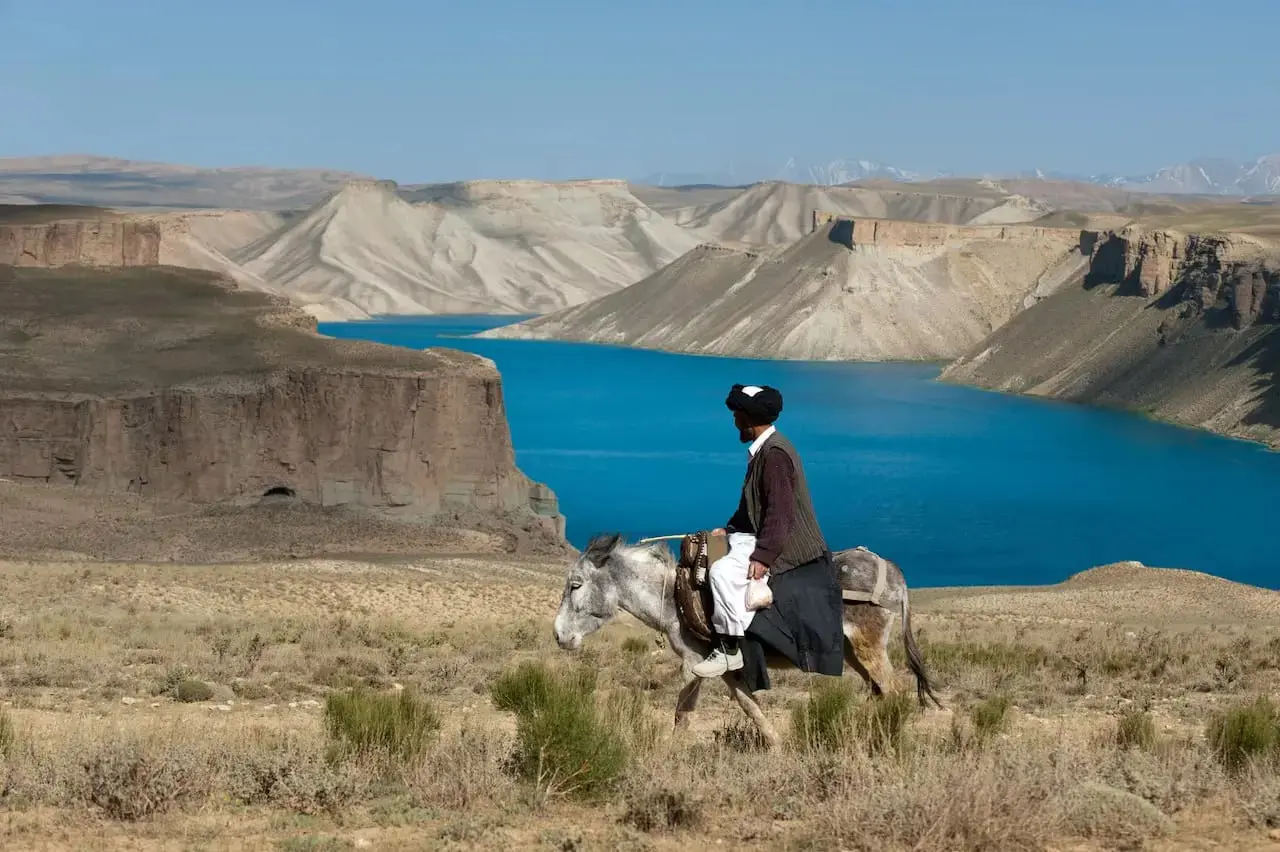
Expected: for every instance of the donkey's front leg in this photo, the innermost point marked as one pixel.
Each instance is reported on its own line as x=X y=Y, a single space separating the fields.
x=687 y=700
x=690 y=652
x=749 y=706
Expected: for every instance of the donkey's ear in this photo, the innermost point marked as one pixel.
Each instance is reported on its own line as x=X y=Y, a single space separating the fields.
x=600 y=547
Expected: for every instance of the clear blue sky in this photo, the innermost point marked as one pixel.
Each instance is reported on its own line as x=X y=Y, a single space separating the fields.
x=425 y=90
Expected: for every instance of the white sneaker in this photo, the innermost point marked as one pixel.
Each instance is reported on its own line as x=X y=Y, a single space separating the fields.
x=718 y=663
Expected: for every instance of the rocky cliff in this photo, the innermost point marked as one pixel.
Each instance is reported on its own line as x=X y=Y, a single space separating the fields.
x=866 y=290
x=176 y=385
x=98 y=242
x=1181 y=326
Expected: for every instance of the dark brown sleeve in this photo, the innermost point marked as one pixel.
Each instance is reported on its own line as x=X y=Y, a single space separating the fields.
x=777 y=509
x=740 y=522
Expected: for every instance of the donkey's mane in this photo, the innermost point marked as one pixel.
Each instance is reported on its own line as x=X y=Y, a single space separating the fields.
x=605 y=545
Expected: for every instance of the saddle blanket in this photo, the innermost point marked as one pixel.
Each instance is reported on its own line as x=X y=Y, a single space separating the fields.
x=805 y=624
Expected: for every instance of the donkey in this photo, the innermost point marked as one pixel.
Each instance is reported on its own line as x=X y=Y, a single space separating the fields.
x=640 y=579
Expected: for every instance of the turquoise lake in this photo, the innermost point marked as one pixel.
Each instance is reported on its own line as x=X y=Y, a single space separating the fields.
x=958 y=486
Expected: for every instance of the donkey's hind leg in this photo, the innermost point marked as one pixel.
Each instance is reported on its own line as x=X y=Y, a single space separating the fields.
x=749 y=706
x=866 y=647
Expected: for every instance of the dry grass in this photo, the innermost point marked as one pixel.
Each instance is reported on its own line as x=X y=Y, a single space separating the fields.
x=1065 y=728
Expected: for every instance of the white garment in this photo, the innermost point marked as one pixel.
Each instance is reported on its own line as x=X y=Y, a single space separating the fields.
x=755 y=445
x=729 y=614
x=729 y=580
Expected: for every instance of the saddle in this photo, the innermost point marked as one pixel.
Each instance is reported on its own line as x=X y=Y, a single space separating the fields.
x=693 y=582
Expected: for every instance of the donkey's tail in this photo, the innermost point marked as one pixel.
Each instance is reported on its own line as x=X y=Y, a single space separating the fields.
x=924 y=688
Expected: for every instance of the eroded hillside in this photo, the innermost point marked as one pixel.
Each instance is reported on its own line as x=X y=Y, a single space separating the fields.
x=866 y=290
x=500 y=247
x=1181 y=326
x=776 y=213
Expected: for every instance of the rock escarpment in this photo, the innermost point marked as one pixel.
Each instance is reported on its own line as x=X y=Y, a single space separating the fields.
x=102 y=242
x=1185 y=327
x=866 y=290
x=176 y=385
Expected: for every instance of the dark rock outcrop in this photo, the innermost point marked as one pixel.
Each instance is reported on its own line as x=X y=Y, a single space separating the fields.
x=173 y=384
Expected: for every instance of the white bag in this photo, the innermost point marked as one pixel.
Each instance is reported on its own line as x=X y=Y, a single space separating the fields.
x=759 y=595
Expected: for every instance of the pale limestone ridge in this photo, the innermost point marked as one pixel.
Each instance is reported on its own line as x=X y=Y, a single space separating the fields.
x=867 y=290
x=776 y=213
x=474 y=247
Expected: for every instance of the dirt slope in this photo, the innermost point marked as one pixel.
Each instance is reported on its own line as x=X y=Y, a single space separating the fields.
x=864 y=291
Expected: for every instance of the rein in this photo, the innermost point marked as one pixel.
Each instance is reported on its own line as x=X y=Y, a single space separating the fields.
x=664 y=574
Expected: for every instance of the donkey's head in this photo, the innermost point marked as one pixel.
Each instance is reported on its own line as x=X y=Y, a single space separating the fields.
x=590 y=599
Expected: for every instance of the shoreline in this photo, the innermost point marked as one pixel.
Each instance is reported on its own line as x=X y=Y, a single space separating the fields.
x=940 y=366
x=552 y=568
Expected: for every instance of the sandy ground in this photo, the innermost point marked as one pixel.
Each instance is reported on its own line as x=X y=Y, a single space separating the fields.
x=113 y=608
x=84 y=645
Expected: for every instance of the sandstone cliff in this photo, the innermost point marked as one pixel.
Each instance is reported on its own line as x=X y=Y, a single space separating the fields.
x=101 y=242
x=1181 y=326
x=176 y=385
x=866 y=290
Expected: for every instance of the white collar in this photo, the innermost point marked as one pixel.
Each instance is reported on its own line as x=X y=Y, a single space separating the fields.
x=755 y=445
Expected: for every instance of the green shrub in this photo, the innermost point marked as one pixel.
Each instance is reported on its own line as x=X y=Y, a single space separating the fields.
x=1135 y=729
x=563 y=743
x=379 y=724
x=826 y=720
x=191 y=690
x=990 y=716
x=1245 y=733
x=168 y=685
x=882 y=722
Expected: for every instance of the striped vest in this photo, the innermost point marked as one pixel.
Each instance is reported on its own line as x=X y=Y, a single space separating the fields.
x=806 y=541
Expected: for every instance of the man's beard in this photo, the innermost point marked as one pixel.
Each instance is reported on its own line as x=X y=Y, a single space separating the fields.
x=745 y=436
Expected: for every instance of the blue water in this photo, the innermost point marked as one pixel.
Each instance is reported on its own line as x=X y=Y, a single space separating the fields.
x=959 y=486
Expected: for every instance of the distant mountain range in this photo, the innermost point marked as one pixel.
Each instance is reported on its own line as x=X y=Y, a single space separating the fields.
x=1204 y=176
x=830 y=173
x=114 y=182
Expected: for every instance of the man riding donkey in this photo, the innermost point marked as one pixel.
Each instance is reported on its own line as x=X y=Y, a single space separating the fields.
x=774 y=534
